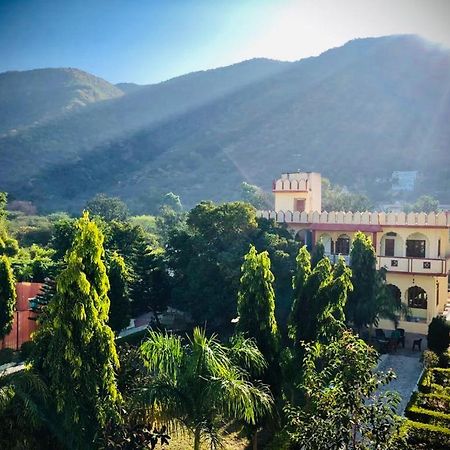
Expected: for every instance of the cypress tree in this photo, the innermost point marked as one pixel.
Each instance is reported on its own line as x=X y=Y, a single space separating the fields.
x=76 y=349
x=362 y=305
x=118 y=274
x=7 y=296
x=256 y=303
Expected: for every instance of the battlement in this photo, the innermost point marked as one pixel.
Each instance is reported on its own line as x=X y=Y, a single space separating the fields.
x=441 y=219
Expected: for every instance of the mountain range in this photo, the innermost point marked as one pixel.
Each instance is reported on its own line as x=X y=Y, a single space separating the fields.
x=355 y=113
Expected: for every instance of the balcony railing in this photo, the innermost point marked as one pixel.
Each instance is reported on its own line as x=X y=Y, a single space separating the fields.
x=413 y=265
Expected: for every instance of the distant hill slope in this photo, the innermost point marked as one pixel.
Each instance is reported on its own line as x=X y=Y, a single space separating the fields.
x=354 y=113
x=33 y=96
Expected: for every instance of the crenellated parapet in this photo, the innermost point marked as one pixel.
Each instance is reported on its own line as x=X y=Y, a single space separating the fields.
x=440 y=219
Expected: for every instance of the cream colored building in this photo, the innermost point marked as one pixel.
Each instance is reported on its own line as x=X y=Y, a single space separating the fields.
x=414 y=248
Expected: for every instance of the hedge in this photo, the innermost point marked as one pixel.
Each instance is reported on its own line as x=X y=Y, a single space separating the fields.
x=436 y=402
x=425 y=437
x=428 y=416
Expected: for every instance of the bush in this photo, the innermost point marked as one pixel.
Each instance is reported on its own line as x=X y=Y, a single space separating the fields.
x=425 y=437
x=436 y=402
x=428 y=416
x=430 y=359
x=439 y=335
x=6 y=356
x=26 y=349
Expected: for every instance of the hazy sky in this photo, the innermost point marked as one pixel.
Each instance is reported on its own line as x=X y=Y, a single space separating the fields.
x=145 y=41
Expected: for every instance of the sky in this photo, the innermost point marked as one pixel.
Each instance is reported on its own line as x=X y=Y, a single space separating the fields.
x=147 y=41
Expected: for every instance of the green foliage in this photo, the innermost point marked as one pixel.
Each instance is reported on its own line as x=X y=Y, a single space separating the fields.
x=342 y=406
x=256 y=303
x=151 y=287
x=147 y=223
x=439 y=335
x=320 y=295
x=119 y=280
x=418 y=436
x=317 y=254
x=26 y=350
x=35 y=264
x=108 y=208
x=7 y=296
x=200 y=386
x=430 y=359
x=336 y=198
x=424 y=203
x=64 y=231
x=205 y=258
x=6 y=355
x=256 y=196
x=75 y=348
x=23 y=398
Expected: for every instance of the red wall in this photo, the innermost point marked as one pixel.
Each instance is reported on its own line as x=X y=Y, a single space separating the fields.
x=22 y=325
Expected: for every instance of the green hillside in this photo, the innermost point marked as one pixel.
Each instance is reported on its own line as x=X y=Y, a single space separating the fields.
x=33 y=96
x=354 y=113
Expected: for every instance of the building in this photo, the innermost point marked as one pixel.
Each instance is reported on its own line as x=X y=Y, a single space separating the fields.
x=23 y=324
x=414 y=247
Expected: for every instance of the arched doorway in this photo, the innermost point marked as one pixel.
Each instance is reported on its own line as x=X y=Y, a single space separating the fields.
x=417 y=297
x=304 y=237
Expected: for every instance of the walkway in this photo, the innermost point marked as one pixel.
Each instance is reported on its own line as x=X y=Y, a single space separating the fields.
x=407 y=368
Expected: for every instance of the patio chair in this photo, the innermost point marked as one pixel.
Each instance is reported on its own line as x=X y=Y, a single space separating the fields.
x=379 y=334
x=402 y=336
x=417 y=343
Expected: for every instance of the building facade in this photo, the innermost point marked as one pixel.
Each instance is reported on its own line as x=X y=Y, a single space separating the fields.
x=413 y=248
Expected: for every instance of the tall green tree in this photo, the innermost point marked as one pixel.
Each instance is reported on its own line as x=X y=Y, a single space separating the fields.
x=7 y=296
x=203 y=385
x=256 y=303
x=75 y=347
x=320 y=295
x=119 y=295
x=150 y=289
x=369 y=297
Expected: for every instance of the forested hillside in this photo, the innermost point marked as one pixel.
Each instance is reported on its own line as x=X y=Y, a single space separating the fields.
x=355 y=113
x=32 y=96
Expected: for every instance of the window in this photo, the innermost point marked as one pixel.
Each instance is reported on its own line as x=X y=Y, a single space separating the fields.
x=299 y=205
x=389 y=247
x=417 y=297
x=415 y=248
x=342 y=245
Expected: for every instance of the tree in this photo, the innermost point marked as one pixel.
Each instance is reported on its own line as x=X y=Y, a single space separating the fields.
x=317 y=254
x=205 y=258
x=337 y=198
x=7 y=296
x=424 y=203
x=119 y=279
x=151 y=282
x=108 y=208
x=256 y=196
x=342 y=406
x=362 y=308
x=439 y=335
x=320 y=295
x=75 y=349
x=202 y=385
x=256 y=303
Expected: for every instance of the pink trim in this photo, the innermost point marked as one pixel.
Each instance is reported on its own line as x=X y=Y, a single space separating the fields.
x=345 y=227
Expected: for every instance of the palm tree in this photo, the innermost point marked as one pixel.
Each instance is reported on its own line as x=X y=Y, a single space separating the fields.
x=201 y=385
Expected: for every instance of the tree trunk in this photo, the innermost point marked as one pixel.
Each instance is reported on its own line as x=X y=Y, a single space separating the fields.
x=197 y=439
x=255 y=440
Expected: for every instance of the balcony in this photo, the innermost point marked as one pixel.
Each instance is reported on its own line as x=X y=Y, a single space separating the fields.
x=333 y=258
x=426 y=266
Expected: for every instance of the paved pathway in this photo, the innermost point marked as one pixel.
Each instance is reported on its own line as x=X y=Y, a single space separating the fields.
x=407 y=368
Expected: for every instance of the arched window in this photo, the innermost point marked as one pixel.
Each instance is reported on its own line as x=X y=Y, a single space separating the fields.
x=342 y=246
x=304 y=237
x=417 y=297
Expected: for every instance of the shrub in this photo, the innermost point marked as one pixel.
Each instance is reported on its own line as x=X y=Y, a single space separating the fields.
x=423 y=436
x=26 y=349
x=439 y=335
x=6 y=356
x=430 y=359
x=428 y=416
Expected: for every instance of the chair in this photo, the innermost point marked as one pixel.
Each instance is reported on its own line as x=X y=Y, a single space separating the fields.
x=417 y=343
x=402 y=336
